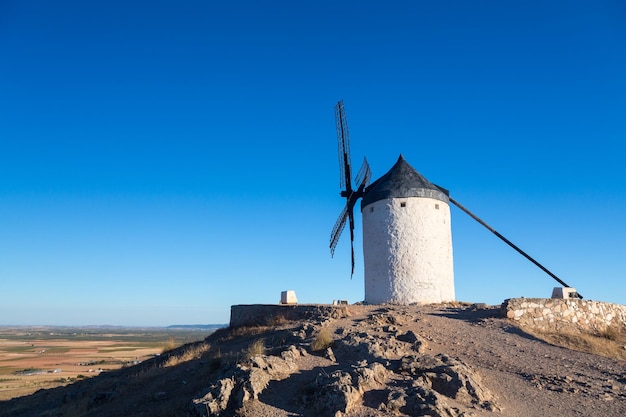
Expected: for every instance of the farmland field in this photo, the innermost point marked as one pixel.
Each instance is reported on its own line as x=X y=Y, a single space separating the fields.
x=32 y=358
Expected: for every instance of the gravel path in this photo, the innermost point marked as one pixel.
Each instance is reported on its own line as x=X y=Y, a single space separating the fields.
x=529 y=376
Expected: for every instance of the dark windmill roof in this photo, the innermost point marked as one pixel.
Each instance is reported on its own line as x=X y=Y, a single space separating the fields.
x=402 y=180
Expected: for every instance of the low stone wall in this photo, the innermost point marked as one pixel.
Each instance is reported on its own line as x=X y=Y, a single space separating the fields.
x=268 y=314
x=557 y=314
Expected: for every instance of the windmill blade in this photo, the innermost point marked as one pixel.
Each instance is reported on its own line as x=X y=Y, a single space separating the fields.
x=343 y=140
x=364 y=175
x=351 y=216
x=345 y=215
x=345 y=181
x=337 y=229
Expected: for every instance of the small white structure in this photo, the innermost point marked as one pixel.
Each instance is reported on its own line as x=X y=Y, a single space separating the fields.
x=564 y=292
x=407 y=239
x=288 y=297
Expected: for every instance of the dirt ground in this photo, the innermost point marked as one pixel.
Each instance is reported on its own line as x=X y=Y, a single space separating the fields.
x=527 y=376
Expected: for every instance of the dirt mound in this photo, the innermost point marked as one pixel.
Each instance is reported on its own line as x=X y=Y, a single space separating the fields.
x=445 y=360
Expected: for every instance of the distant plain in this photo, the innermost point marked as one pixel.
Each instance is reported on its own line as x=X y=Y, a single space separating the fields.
x=33 y=358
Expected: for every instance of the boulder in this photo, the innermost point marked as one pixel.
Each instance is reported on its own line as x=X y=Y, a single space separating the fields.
x=449 y=377
x=217 y=399
x=334 y=393
x=247 y=381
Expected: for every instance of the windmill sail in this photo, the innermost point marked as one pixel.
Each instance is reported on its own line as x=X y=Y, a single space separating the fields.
x=343 y=140
x=337 y=229
x=345 y=182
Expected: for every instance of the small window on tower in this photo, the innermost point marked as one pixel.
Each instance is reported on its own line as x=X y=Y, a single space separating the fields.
x=371 y=209
x=437 y=206
x=403 y=204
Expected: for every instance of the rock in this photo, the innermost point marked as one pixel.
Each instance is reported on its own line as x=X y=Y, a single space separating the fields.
x=451 y=378
x=371 y=376
x=334 y=393
x=247 y=381
x=371 y=348
x=410 y=365
x=422 y=384
x=390 y=329
x=217 y=399
x=409 y=337
x=292 y=354
x=425 y=402
x=277 y=367
x=419 y=345
x=330 y=355
x=256 y=382
x=396 y=399
x=384 y=318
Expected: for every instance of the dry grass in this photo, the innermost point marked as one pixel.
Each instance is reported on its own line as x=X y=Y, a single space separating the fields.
x=322 y=341
x=609 y=343
x=456 y=303
x=611 y=333
x=244 y=331
x=190 y=353
x=256 y=348
x=277 y=320
x=170 y=344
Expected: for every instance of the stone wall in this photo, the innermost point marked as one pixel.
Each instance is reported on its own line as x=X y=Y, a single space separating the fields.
x=268 y=314
x=557 y=314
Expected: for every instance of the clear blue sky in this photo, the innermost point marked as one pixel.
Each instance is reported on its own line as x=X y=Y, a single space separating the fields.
x=161 y=161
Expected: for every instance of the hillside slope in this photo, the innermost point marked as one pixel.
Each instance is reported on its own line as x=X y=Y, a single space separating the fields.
x=383 y=360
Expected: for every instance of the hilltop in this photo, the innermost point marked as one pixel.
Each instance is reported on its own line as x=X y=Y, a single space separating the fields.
x=442 y=360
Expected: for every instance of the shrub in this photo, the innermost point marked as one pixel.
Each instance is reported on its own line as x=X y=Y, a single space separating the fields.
x=256 y=348
x=169 y=345
x=610 y=333
x=322 y=341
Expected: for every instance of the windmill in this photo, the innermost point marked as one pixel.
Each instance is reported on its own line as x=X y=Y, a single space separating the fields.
x=345 y=182
x=407 y=241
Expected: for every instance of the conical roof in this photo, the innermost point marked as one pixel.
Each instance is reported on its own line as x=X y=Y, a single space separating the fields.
x=402 y=180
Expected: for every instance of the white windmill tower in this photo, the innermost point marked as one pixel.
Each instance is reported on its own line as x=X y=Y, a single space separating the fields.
x=407 y=238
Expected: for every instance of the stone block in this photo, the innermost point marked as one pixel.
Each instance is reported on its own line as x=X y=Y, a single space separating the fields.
x=288 y=297
x=564 y=292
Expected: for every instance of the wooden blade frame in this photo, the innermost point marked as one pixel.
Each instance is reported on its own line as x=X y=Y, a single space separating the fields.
x=345 y=182
x=340 y=224
x=343 y=140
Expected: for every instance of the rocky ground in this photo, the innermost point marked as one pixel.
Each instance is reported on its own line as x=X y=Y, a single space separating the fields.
x=445 y=360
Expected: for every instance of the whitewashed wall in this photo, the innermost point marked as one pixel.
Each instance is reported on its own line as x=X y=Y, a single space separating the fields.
x=407 y=251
